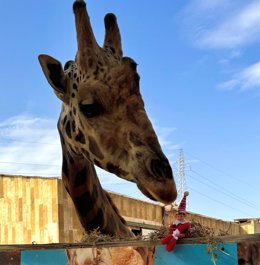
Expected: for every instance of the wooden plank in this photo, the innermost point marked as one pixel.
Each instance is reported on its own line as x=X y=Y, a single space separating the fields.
x=136 y=243
x=20 y=210
x=142 y=225
x=77 y=245
x=10 y=257
x=224 y=239
x=1 y=187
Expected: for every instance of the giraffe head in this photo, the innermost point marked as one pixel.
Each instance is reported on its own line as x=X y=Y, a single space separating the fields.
x=103 y=116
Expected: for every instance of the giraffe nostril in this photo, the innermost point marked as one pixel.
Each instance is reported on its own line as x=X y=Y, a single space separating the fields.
x=161 y=168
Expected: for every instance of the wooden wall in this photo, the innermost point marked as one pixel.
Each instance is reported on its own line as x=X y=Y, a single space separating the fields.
x=39 y=209
x=256 y=224
x=249 y=226
x=28 y=210
x=217 y=225
x=137 y=210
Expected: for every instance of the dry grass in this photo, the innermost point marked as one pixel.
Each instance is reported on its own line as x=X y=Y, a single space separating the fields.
x=196 y=230
x=96 y=237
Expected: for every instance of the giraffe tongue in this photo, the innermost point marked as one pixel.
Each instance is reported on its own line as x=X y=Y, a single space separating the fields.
x=145 y=192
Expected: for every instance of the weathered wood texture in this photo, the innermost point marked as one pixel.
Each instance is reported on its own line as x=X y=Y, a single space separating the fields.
x=138 y=209
x=250 y=226
x=39 y=209
x=28 y=210
x=218 y=225
x=136 y=243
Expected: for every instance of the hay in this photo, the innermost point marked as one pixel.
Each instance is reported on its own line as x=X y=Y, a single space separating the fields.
x=196 y=230
x=158 y=234
x=96 y=236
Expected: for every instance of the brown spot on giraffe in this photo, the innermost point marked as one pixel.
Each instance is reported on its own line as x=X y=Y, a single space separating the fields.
x=94 y=149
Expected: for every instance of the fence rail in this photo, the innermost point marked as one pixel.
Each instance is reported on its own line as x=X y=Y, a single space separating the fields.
x=123 y=243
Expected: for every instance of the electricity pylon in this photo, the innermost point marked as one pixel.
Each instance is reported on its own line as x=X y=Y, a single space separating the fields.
x=181 y=183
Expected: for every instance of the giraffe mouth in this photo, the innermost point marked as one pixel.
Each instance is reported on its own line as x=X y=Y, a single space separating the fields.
x=164 y=192
x=145 y=192
x=157 y=182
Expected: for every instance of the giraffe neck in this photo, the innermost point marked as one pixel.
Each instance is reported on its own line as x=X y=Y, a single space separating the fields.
x=93 y=204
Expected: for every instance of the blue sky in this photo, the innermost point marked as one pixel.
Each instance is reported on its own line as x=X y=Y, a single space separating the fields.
x=199 y=64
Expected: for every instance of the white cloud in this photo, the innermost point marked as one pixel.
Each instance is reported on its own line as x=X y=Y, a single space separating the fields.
x=249 y=78
x=197 y=7
x=224 y=24
x=164 y=135
x=29 y=146
x=242 y=28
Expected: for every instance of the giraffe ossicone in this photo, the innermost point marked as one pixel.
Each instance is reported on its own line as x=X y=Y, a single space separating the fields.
x=103 y=122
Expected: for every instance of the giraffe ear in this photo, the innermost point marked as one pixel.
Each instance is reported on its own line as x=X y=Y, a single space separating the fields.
x=54 y=74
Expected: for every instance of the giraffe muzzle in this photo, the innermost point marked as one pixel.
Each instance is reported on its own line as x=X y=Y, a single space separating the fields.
x=158 y=183
x=161 y=169
x=162 y=191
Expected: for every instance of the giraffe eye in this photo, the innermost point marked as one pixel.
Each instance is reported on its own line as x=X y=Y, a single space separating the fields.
x=92 y=110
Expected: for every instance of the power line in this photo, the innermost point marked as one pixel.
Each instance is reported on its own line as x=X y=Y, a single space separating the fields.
x=221 y=171
x=51 y=174
x=29 y=164
x=219 y=202
x=215 y=189
x=213 y=185
x=30 y=174
x=226 y=191
x=30 y=142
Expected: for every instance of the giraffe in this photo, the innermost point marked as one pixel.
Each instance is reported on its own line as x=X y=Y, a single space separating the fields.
x=103 y=122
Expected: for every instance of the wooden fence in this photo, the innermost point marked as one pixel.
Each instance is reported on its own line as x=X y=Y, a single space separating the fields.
x=227 y=250
x=39 y=209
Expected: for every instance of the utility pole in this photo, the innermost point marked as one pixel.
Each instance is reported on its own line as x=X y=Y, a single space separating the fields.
x=181 y=184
